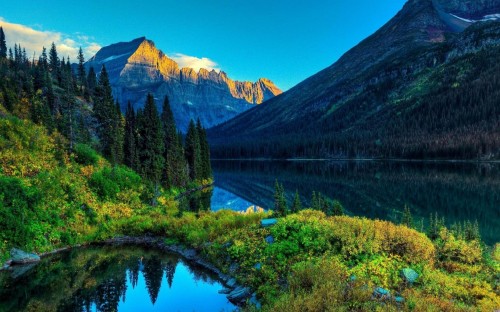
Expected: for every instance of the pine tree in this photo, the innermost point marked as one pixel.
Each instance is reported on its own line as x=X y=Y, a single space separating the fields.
x=3 y=45
x=280 y=205
x=82 y=75
x=297 y=204
x=54 y=62
x=407 y=218
x=192 y=151
x=206 y=167
x=91 y=82
x=337 y=209
x=169 y=128
x=151 y=145
x=105 y=114
x=119 y=134
x=130 y=139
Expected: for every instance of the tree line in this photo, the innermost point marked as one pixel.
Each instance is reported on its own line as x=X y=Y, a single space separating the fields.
x=79 y=105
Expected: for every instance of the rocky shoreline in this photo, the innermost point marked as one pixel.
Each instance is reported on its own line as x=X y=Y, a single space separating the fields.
x=236 y=293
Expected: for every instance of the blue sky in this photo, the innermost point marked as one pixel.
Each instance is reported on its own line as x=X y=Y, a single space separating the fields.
x=284 y=40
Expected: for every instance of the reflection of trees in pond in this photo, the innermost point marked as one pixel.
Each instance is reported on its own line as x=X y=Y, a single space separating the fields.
x=153 y=274
x=169 y=269
x=457 y=191
x=82 y=278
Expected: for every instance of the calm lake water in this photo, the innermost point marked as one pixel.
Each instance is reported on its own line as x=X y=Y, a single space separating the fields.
x=375 y=189
x=123 y=278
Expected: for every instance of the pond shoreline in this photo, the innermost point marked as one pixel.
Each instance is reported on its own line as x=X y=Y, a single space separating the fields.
x=190 y=254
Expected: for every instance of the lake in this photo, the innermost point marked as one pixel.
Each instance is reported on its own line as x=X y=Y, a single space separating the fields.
x=457 y=191
x=106 y=278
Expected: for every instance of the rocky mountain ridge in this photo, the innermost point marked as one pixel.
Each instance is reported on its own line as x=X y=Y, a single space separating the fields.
x=355 y=101
x=138 y=67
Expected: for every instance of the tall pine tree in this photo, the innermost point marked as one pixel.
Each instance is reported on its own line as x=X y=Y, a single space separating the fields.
x=151 y=145
x=106 y=116
x=205 y=166
x=82 y=75
x=3 y=44
x=192 y=150
x=130 y=139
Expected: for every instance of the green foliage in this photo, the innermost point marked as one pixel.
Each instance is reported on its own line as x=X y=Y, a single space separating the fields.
x=108 y=182
x=85 y=155
x=407 y=218
x=280 y=205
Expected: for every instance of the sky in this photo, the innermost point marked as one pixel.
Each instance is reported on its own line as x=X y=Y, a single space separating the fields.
x=283 y=40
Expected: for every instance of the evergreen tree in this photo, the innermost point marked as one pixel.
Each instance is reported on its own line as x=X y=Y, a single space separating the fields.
x=54 y=62
x=130 y=139
x=91 y=82
x=315 y=201
x=280 y=206
x=192 y=151
x=407 y=218
x=82 y=75
x=151 y=144
x=106 y=116
x=337 y=209
x=119 y=134
x=297 y=204
x=205 y=166
x=3 y=45
x=170 y=131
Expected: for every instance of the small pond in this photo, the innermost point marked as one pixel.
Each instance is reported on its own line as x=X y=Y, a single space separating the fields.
x=107 y=278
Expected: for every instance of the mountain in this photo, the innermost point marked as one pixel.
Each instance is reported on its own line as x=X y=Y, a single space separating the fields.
x=137 y=67
x=425 y=85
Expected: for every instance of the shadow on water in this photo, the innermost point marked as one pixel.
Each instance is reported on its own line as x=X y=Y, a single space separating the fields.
x=125 y=278
x=376 y=189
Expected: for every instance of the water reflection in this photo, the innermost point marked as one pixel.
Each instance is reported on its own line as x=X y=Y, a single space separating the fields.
x=458 y=191
x=112 y=279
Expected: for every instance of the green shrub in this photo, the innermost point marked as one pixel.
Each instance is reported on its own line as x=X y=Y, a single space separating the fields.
x=108 y=182
x=85 y=155
x=17 y=212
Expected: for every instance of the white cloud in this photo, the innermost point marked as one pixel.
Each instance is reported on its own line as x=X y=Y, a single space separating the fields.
x=194 y=62
x=33 y=40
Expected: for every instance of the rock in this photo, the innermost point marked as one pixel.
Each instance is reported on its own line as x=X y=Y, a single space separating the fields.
x=254 y=301
x=224 y=291
x=268 y=222
x=258 y=266
x=20 y=270
x=381 y=293
x=399 y=299
x=231 y=283
x=409 y=275
x=20 y=257
x=189 y=253
x=269 y=239
x=239 y=294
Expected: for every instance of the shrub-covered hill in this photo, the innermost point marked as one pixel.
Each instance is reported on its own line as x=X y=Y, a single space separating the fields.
x=51 y=198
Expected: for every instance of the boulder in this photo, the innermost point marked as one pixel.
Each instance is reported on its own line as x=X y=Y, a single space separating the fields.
x=268 y=222
x=231 y=283
x=224 y=291
x=409 y=275
x=381 y=293
x=269 y=239
x=20 y=257
x=239 y=294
